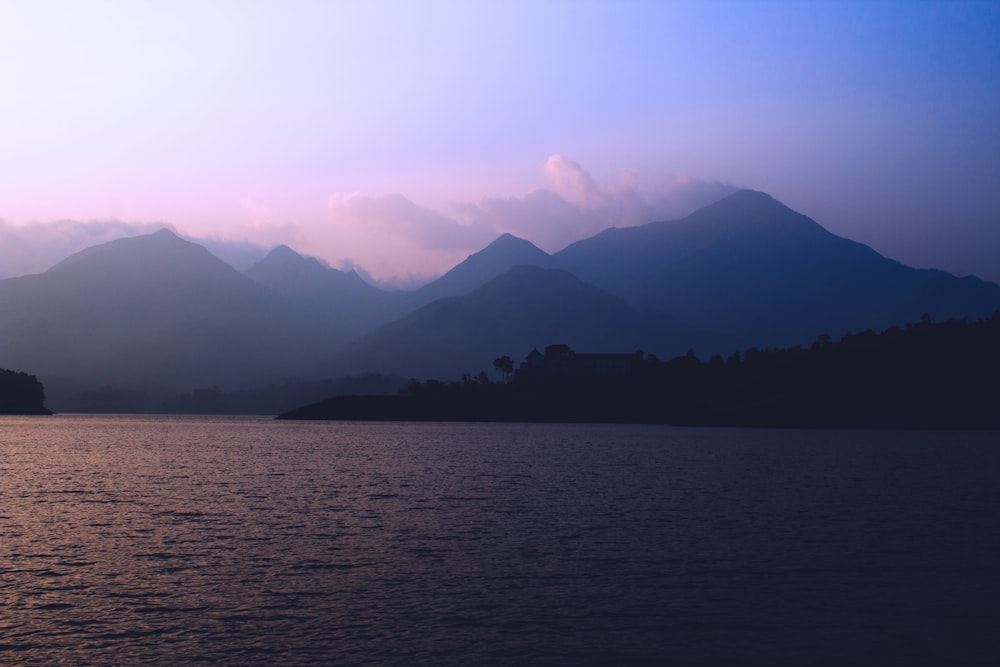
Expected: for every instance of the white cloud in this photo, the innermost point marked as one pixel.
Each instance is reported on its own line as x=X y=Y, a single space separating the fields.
x=573 y=182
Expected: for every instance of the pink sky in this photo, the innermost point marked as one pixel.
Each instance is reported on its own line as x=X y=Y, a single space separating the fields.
x=403 y=136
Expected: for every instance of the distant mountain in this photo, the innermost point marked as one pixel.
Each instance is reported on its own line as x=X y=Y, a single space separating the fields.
x=163 y=315
x=350 y=304
x=151 y=310
x=751 y=268
x=37 y=247
x=240 y=255
x=503 y=254
x=526 y=307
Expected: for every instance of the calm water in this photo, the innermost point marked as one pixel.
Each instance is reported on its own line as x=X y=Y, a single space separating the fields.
x=248 y=541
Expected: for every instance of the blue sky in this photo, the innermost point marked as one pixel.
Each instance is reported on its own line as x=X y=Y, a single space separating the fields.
x=401 y=136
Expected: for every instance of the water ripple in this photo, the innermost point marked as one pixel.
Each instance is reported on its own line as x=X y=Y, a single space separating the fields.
x=137 y=540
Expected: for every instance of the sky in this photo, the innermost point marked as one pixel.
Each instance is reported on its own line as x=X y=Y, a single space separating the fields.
x=398 y=137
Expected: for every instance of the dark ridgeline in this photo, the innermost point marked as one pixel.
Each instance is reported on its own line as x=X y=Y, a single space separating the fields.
x=760 y=274
x=745 y=271
x=925 y=375
x=152 y=312
x=479 y=268
x=451 y=336
x=21 y=394
x=345 y=304
x=134 y=322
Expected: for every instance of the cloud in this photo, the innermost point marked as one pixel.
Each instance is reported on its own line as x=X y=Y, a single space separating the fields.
x=572 y=182
x=264 y=229
x=398 y=242
x=401 y=242
x=576 y=206
x=396 y=216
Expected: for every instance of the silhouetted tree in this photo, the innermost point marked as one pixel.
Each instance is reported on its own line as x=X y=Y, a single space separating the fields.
x=505 y=365
x=928 y=375
x=21 y=393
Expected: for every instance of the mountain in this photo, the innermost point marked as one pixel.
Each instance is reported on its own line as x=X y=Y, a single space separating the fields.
x=526 y=307
x=356 y=307
x=152 y=310
x=160 y=314
x=349 y=304
x=749 y=267
x=506 y=252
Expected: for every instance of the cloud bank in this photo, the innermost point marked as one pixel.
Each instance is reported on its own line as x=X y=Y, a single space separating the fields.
x=398 y=241
x=391 y=240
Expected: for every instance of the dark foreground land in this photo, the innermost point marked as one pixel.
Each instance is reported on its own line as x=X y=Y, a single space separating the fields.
x=21 y=394
x=926 y=375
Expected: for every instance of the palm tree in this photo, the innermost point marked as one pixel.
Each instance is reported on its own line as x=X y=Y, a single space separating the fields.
x=505 y=365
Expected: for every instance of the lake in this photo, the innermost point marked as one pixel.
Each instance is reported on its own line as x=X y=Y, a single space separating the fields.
x=180 y=540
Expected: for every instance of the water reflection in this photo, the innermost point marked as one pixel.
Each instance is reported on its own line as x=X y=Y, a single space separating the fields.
x=174 y=540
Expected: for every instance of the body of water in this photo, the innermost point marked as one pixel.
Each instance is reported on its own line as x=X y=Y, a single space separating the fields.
x=173 y=540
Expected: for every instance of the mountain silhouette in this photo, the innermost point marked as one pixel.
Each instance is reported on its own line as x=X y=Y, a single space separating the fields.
x=151 y=310
x=161 y=314
x=347 y=304
x=526 y=307
x=504 y=253
x=760 y=273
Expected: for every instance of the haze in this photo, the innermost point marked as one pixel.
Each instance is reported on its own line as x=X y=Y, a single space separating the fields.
x=399 y=137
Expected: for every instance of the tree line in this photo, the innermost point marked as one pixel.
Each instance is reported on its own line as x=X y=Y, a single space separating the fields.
x=923 y=375
x=21 y=394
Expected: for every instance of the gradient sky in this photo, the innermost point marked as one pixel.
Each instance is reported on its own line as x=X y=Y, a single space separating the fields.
x=401 y=136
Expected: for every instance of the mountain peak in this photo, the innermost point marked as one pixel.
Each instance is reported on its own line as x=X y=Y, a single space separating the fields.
x=508 y=243
x=497 y=258
x=508 y=238
x=282 y=251
x=747 y=210
x=164 y=238
x=281 y=255
x=283 y=263
x=160 y=250
x=744 y=203
x=165 y=233
x=748 y=196
x=513 y=247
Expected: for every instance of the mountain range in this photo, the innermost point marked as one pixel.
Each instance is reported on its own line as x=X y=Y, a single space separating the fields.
x=753 y=269
x=163 y=314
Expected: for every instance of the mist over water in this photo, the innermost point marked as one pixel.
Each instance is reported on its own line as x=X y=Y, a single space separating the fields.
x=248 y=541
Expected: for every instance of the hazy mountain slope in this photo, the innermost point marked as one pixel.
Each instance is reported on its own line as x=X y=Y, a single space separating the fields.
x=37 y=247
x=349 y=304
x=617 y=257
x=157 y=311
x=504 y=253
x=149 y=311
x=766 y=275
x=524 y=308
